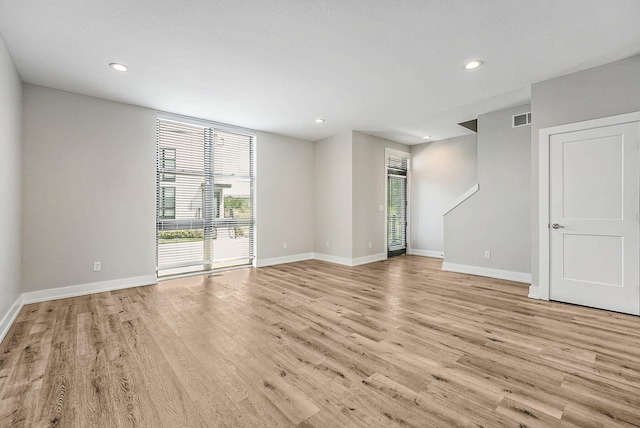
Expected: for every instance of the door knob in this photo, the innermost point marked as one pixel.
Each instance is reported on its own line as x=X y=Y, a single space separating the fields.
x=557 y=226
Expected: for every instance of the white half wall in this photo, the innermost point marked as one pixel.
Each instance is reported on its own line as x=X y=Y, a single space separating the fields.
x=10 y=186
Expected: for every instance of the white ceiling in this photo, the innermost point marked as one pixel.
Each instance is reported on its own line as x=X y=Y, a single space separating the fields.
x=393 y=68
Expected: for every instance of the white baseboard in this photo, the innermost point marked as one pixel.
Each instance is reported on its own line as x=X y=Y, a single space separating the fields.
x=426 y=253
x=534 y=292
x=322 y=257
x=284 y=259
x=332 y=259
x=82 y=289
x=10 y=317
x=350 y=262
x=491 y=273
x=368 y=259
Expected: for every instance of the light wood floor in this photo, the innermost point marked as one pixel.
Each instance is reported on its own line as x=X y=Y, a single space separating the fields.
x=312 y=344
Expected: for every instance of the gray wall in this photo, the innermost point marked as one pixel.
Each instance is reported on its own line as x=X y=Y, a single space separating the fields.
x=369 y=182
x=332 y=190
x=284 y=206
x=89 y=189
x=441 y=171
x=10 y=180
x=349 y=187
x=603 y=91
x=497 y=218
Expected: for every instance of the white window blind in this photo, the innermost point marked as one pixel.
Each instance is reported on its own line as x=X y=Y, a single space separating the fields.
x=397 y=168
x=205 y=186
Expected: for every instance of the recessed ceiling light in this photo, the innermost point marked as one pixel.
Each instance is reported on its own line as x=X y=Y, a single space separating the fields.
x=119 y=67
x=426 y=137
x=319 y=120
x=473 y=64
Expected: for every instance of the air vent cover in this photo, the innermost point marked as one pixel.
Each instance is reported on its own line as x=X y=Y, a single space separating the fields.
x=521 y=120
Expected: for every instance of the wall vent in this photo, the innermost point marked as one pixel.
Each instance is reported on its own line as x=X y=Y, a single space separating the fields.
x=523 y=119
x=470 y=124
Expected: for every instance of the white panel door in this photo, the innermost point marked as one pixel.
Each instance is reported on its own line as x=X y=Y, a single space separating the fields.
x=594 y=217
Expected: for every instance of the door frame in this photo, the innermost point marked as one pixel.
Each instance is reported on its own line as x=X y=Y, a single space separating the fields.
x=544 y=249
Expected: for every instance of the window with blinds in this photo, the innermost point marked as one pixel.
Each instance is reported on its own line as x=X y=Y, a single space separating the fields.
x=204 y=198
x=397 y=169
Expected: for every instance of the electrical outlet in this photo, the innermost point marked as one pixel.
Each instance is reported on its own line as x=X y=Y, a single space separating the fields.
x=284 y=245
x=487 y=254
x=370 y=244
x=97 y=266
x=327 y=244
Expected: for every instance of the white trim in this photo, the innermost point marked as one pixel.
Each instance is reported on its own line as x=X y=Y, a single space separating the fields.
x=284 y=259
x=544 y=136
x=534 y=292
x=368 y=259
x=323 y=257
x=91 y=288
x=10 y=317
x=491 y=273
x=332 y=259
x=350 y=262
x=460 y=199
x=426 y=253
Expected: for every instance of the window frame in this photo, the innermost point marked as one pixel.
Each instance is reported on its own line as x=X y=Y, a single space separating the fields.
x=162 y=203
x=164 y=177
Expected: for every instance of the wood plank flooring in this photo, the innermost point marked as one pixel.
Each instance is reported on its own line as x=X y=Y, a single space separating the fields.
x=398 y=343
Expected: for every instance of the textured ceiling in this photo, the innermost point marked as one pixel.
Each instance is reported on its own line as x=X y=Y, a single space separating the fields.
x=392 y=68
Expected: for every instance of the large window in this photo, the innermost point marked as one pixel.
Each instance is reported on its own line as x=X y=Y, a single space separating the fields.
x=205 y=192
